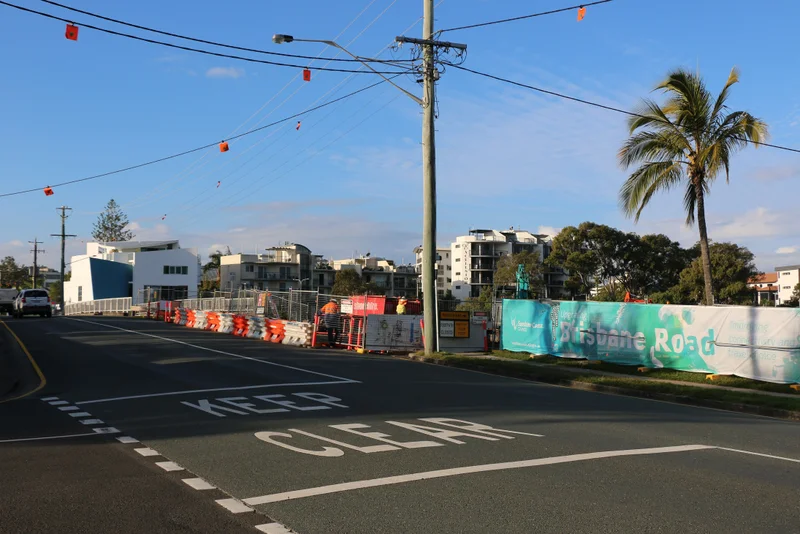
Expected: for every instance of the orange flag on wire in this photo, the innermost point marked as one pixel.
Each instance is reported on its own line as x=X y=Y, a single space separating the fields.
x=298 y=126
x=581 y=13
x=72 y=32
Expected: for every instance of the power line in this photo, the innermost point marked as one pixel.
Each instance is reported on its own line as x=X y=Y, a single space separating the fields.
x=598 y=105
x=187 y=48
x=197 y=149
x=523 y=17
x=205 y=41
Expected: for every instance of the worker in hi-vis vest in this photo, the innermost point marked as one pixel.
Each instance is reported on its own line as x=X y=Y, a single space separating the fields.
x=330 y=316
x=401 y=306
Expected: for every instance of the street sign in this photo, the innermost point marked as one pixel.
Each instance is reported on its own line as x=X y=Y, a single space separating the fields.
x=447 y=329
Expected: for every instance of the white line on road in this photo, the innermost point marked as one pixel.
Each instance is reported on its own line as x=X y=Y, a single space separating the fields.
x=198 y=484
x=80 y=414
x=92 y=422
x=425 y=475
x=147 y=451
x=43 y=438
x=273 y=528
x=58 y=403
x=169 y=466
x=68 y=408
x=106 y=430
x=127 y=439
x=234 y=505
x=47 y=399
x=761 y=454
x=257 y=360
x=232 y=388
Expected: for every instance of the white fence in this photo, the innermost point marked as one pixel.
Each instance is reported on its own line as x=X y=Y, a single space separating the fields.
x=91 y=307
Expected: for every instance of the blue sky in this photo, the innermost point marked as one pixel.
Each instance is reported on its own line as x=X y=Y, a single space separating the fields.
x=350 y=179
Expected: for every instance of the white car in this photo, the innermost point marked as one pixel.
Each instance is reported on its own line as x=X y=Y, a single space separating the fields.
x=32 y=302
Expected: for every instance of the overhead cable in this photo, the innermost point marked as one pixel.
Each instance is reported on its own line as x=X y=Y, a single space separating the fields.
x=523 y=17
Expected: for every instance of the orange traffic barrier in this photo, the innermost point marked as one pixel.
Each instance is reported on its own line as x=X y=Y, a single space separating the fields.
x=213 y=321
x=190 y=318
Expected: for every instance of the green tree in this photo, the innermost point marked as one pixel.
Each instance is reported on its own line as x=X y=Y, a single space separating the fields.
x=211 y=273
x=111 y=225
x=506 y=272
x=483 y=302
x=55 y=288
x=795 y=300
x=347 y=282
x=688 y=141
x=731 y=267
x=571 y=250
x=13 y=274
x=658 y=265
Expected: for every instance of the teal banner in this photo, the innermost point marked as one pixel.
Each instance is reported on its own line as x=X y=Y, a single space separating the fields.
x=759 y=343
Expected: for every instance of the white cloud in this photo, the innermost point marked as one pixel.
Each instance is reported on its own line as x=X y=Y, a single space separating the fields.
x=760 y=222
x=224 y=72
x=777 y=173
x=548 y=230
x=787 y=250
x=17 y=243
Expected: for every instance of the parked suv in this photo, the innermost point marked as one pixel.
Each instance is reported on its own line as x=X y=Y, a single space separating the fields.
x=31 y=302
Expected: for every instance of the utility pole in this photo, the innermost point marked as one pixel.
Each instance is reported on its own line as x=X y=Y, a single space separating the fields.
x=429 y=76
x=63 y=235
x=35 y=251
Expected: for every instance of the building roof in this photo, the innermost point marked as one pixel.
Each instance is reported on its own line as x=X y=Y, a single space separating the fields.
x=788 y=268
x=766 y=278
x=140 y=244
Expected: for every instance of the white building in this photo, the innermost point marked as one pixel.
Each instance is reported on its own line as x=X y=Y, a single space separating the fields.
x=395 y=280
x=444 y=269
x=157 y=270
x=475 y=256
x=765 y=287
x=788 y=278
x=289 y=266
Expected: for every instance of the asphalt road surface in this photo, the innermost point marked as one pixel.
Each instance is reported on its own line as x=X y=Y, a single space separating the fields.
x=149 y=427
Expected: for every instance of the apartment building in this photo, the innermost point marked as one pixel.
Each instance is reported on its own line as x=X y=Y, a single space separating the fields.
x=395 y=280
x=289 y=266
x=788 y=278
x=444 y=269
x=45 y=276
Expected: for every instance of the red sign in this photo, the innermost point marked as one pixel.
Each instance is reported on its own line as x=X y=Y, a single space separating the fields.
x=72 y=32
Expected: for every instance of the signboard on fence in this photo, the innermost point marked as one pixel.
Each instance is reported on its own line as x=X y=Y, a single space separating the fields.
x=347 y=306
x=261 y=303
x=447 y=329
x=758 y=343
x=393 y=332
x=454 y=324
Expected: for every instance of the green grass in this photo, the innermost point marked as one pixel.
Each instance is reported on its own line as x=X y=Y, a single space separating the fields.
x=663 y=374
x=556 y=375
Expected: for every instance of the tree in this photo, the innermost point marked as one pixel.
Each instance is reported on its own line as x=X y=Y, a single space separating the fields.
x=658 y=265
x=506 y=273
x=483 y=302
x=571 y=250
x=111 y=225
x=731 y=267
x=12 y=274
x=55 y=288
x=211 y=273
x=686 y=142
x=795 y=300
x=347 y=282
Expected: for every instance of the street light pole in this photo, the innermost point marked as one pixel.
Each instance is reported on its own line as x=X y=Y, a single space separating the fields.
x=428 y=103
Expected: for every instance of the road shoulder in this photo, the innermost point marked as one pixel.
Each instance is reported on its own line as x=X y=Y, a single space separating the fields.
x=20 y=375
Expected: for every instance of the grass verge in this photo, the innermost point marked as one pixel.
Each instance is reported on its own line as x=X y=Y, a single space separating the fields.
x=743 y=401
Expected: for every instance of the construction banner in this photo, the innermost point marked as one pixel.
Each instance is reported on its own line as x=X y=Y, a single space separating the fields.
x=758 y=343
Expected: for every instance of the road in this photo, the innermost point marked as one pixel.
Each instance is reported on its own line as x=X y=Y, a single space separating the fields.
x=177 y=430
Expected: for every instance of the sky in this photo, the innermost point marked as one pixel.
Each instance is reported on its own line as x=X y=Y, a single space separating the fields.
x=349 y=180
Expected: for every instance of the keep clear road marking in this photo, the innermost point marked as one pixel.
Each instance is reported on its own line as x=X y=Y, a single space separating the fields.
x=441 y=473
x=339 y=379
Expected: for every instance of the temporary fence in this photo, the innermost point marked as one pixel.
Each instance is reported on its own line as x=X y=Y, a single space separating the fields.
x=758 y=343
x=100 y=306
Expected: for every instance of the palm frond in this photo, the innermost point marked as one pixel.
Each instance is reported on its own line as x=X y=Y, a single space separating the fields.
x=652 y=147
x=719 y=105
x=689 y=202
x=645 y=181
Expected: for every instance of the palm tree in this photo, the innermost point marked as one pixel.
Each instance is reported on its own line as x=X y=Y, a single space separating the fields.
x=688 y=141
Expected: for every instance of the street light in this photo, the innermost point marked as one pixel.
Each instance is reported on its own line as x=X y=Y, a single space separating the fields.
x=429 y=77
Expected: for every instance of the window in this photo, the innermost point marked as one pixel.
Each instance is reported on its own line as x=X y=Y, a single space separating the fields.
x=176 y=269
x=185 y=269
x=458 y=287
x=458 y=259
x=787 y=287
x=282 y=286
x=458 y=274
x=166 y=269
x=172 y=269
x=785 y=274
x=80 y=293
x=249 y=268
x=458 y=246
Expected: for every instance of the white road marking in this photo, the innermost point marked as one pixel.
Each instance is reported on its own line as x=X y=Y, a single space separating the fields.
x=147 y=451
x=761 y=454
x=68 y=408
x=400 y=479
x=169 y=466
x=265 y=362
x=47 y=399
x=198 y=484
x=92 y=421
x=233 y=388
x=57 y=403
x=273 y=528
x=127 y=439
x=234 y=505
x=106 y=430
x=80 y=414
x=43 y=438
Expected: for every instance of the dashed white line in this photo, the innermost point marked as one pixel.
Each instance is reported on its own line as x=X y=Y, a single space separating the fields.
x=147 y=451
x=273 y=528
x=92 y=422
x=58 y=403
x=198 y=484
x=234 y=505
x=169 y=466
x=127 y=439
x=47 y=399
x=80 y=414
x=68 y=408
x=426 y=475
x=106 y=430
